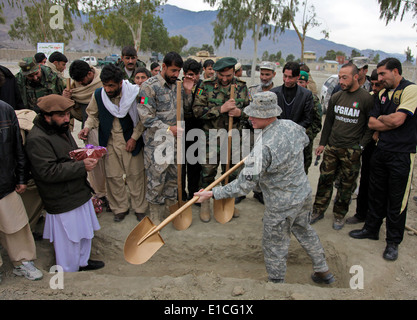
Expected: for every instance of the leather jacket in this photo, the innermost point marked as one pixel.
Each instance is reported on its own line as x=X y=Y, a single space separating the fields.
x=13 y=168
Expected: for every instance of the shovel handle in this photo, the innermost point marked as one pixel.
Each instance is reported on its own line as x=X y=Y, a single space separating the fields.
x=179 y=144
x=229 y=137
x=189 y=203
x=68 y=83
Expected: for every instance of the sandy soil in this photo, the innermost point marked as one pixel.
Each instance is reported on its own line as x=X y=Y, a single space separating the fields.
x=225 y=262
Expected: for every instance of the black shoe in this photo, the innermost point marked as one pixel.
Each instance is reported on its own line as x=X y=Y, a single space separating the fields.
x=105 y=203
x=120 y=216
x=316 y=217
x=92 y=265
x=140 y=216
x=321 y=277
x=239 y=199
x=259 y=196
x=363 y=234
x=391 y=252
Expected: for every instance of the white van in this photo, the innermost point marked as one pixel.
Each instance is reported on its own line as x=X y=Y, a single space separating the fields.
x=92 y=61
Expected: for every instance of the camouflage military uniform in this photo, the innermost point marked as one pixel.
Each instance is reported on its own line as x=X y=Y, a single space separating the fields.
x=131 y=79
x=50 y=83
x=312 y=131
x=276 y=164
x=208 y=101
x=157 y=111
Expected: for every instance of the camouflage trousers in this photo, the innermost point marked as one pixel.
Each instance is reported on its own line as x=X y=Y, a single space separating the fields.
x=276 y=241
x=346 y=163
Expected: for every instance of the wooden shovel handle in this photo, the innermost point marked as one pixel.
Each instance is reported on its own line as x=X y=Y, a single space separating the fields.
x=179 y=144
x=229 y=137
x=68 y=83
x=189 y=203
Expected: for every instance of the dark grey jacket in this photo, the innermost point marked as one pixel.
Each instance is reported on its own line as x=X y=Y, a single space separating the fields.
x=13 y=167
x=61 y=181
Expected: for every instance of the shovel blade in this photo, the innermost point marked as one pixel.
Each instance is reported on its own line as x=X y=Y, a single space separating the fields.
x=137 y=250
x=182 y=221
x=223 y=210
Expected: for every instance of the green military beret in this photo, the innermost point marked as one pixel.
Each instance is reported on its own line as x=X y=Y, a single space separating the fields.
x=28 y=65
x=224 y=63
x=303 y=76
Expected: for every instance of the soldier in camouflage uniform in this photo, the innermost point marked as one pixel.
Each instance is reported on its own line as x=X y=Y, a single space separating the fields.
x=129 y=63
x=345 y=133
x=35 y=81
x=315 y=127
x=213 y=107
x=157 y=111
x=276 y=164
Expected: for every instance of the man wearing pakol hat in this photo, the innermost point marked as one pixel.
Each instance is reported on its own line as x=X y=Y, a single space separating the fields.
x=35 y=81
x=213 y=106
x=62 y=184
x=316 y=115
x=276 y=165
x=113 y=110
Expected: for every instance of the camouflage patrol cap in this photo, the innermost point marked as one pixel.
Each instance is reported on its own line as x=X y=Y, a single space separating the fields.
x=54 y=103
x=28 y=65
x=303 y=76
x=224 y=63
x=268 y=65
x=264 y=105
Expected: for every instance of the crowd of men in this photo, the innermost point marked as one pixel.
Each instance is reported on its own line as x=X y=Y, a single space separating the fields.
x=370 y=130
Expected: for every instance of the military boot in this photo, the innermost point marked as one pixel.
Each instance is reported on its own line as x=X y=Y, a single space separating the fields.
x=155 y=213
x=205 y=214
x=168 y=204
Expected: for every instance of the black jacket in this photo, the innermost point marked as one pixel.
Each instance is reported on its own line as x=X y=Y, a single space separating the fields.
x=62 y=182
x=301 y=112
x=9 y=92
x=13 y=168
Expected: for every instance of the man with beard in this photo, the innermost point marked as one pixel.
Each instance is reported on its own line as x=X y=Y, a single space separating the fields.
x=130 y=63
x=35 y=81
x=113 y=111
x=213 y=106
x=63 y=186
x=267 y=75
x=86 y=81
x=392 y=162
x=344 y=135
x=158 y=113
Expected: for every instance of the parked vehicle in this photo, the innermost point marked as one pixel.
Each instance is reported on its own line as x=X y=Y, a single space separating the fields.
x=91 y=60
x=326 y=91
x=112 y=59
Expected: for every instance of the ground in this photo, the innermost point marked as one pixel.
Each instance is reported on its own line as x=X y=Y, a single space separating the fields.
x=211 y=261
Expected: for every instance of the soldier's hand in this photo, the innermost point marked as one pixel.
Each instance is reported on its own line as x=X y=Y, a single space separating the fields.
x=203 y=195
x=236 y=113
x=67 y=93
x=83 y=134
x=319 y=150
x=176 y=131
x=188 y=84
x=228 y=106
x=130 y=145
x=90 y=164
x=21 y=188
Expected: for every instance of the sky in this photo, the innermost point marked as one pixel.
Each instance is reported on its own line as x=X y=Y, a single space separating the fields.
x=353 y=23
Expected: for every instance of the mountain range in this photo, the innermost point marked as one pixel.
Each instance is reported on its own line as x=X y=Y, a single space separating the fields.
x=197 y=28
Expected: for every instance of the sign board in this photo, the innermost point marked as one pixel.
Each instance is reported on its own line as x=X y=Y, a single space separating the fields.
x=48 y=48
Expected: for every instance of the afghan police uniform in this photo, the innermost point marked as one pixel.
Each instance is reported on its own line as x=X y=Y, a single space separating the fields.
x=50 y=83
x=157 y=111
x=276 y=164
x=208 y=101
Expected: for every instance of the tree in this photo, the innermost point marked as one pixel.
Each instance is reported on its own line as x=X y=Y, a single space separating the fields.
x=39 y=23
x=355 y=54
x=265 y=56
x=391 y=9
x=290 y=58
x=376 y=59
x=236 y=17
x=308 y=22
x=177 y=43
x=129 y=12
x=409 y=56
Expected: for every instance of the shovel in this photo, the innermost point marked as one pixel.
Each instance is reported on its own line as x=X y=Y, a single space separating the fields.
x=182 y=221
x=224 y=208
x=144 y=240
